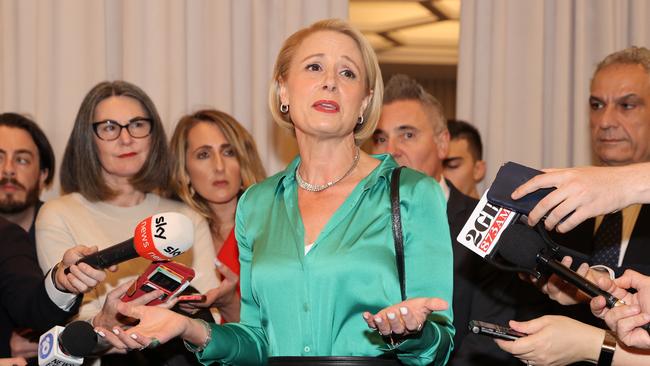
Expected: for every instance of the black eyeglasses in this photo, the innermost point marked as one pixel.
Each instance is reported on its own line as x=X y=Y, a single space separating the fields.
x=109 y=130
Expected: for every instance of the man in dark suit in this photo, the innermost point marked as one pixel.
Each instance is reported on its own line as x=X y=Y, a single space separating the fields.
x=26 y=298
x=27 y=167
x=413 y=129
x=619 y=120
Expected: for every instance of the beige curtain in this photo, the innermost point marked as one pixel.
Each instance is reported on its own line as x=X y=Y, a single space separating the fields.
x=186 y=54
x=525 y=68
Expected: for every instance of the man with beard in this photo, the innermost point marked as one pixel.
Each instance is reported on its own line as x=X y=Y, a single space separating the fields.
x=27 y=166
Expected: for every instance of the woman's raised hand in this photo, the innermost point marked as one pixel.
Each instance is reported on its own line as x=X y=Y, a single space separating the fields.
x=406 y=317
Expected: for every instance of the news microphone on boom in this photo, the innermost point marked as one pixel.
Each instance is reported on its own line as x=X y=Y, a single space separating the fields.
x=66 y=346
x=157 y=238
x=524 y=247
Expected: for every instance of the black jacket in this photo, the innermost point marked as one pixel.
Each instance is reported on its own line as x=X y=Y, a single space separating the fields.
x=23 y=299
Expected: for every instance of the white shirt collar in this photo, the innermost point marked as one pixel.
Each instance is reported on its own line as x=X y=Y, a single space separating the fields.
x=444 y=186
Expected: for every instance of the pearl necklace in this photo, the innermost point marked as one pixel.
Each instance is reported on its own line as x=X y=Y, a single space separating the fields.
x=321 y=187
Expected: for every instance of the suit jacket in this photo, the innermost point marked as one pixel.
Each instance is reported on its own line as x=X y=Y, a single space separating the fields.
x=637 y=255
x=459 y=208
x=483 y=292
x=23 y=299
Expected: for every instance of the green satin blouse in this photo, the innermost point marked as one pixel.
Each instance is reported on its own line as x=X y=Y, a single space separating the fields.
x=310 y=305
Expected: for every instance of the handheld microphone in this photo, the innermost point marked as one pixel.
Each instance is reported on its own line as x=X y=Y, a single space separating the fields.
x=523 y=246
x=66 y=346
x=157 y=238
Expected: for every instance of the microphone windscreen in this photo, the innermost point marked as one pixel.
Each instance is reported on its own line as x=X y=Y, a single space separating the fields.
x=78 y=338
x=520 y=245
x=163 y=236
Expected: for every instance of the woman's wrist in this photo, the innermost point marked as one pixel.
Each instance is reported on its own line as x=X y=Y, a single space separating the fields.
x=197 y=333
x=592 y=344
x=230 y=311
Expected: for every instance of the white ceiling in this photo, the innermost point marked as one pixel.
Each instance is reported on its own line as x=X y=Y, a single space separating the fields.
x=421 y=32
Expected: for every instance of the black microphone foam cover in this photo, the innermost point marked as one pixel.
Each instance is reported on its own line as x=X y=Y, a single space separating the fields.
x=78 y=339
x=520 y=245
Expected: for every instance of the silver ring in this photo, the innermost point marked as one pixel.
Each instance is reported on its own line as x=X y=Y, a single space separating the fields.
x=420 y=327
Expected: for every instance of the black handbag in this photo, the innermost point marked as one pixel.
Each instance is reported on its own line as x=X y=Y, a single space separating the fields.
x=333 y=361
x=396 y=219
x=385 y=360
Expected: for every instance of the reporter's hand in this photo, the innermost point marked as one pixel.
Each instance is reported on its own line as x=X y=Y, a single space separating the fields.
x=554 y=340
x=405 y=318
x=224 y=297
x=581 y=192
x=14 y=361
x=619 y=289
x=154 y=323
x=21 y=346
x=82 y=277
x=110 y=317
x=565 y=293
x=626 y=320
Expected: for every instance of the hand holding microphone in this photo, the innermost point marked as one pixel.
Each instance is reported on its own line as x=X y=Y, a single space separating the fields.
x=522 y=246
x=156 y=238
x=78 y=279
x=631 y=323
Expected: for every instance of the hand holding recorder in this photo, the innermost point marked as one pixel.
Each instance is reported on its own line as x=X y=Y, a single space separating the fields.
x=170 y=278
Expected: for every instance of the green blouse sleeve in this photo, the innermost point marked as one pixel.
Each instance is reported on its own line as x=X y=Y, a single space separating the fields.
x=428 y=262
x=241 y=343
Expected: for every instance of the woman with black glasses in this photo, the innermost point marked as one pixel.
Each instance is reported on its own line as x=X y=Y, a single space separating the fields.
x=115 y=165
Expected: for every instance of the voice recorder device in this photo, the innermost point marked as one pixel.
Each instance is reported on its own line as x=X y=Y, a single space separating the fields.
x=170 y=277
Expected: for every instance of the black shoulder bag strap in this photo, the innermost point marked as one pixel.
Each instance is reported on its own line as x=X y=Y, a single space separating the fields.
x=397 y=228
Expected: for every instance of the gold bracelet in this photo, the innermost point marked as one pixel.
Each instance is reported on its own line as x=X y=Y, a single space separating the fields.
x=607 y=349
x=192 y=348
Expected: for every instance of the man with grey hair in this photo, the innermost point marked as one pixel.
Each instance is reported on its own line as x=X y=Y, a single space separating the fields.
x=413 y=129
x=619 y=120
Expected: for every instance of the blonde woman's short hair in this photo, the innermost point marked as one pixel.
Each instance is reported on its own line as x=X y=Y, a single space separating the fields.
x=374 y=83
x=250 y=164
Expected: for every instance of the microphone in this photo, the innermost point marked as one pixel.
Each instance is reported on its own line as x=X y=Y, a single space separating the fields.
x=524 y=247
x=157 y=238
x=66 y=346
x=484 y=227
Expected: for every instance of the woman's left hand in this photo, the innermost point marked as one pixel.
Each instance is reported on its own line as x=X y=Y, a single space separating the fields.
x=224 y=297
x=406 y=317
x=554 y=340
